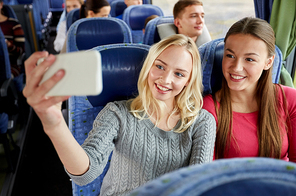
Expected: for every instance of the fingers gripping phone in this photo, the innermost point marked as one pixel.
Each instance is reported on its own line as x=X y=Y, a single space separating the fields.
x=83 y=74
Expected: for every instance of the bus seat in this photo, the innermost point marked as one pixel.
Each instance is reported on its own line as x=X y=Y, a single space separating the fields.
x=162 y=27
x=231 y=177
x=87 y=33
x=8 y=102
x=8 y=11
x=121 y=65
x=72 y=16
x=56 y=5
x=25 y=17
x=10 y=2
x=211 y=55
x=151 y=35
x=135 y=17
x=117 y=7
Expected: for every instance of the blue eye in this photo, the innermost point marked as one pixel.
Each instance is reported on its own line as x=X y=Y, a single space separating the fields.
x=249 y=59
x=179 y=74
x=229 y=56
x=159 y=66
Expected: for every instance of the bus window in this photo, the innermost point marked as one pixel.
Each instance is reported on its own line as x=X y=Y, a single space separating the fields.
x=219 y=14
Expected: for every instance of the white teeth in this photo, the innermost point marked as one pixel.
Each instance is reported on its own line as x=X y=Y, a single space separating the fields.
x=162 y=88
x=236 y=77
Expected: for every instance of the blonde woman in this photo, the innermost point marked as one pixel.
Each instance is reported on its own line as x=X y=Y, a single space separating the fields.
x=161 y=130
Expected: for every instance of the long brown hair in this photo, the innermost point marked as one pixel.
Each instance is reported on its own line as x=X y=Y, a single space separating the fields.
x=268 y=130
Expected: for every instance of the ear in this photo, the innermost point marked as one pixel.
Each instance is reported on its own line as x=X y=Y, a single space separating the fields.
x=269 y=63
x=177 y=22
x=90 y=14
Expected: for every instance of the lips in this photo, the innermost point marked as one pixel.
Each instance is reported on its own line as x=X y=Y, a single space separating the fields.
x=162 y=88
x=236 y=77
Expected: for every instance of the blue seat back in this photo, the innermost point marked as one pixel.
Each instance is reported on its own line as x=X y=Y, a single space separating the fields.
x=211 y=55
x=72 y=16
x=91 y=32
x=121 y=65
x=8 y=11
x=10 y=2
x=117 y=7
x=231 y=177
x=135 y=17
x=38 y=25
x=56 y=5
x=151 y=35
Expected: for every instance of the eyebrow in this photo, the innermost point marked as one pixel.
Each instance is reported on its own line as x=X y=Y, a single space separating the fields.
x=251 y=53
x=183 y=70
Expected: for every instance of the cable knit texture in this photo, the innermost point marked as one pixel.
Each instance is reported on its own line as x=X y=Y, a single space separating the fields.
x=141 y=151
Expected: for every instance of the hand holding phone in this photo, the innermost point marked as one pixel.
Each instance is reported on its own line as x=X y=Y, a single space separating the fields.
x=83 y=74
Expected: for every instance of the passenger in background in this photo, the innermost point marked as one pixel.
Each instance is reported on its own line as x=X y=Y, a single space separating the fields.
x=255 y=118
x=129 y=3
x=189 y=20
x=95 y=8
x=92 y=9
x=161 y=130
x=147 y=20
x=62 y=30
x=15 y=40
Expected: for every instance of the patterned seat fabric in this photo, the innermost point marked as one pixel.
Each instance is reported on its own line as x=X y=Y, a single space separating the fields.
x=239 y=176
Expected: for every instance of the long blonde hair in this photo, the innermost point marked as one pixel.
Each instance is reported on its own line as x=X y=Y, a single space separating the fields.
x=269 y=134
x=188 y=102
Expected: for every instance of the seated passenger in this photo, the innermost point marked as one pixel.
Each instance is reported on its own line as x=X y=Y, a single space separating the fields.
x=15 y=40
x=167 y=111
x=91 y=9
x=188 y=20
x=62 y=30
x=129 y=3
x=255 y=118
x=147 y=20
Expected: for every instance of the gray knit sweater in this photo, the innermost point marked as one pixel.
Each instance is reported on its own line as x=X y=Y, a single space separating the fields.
x=141 y=151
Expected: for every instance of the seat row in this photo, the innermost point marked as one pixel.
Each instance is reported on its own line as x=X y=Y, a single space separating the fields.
x=125 y=61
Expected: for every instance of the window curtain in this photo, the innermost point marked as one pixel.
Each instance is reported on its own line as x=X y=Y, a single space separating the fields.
x=283 y=21
x=281 y=16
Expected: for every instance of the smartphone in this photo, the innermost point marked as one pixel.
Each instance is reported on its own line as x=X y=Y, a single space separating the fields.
x=83 y=74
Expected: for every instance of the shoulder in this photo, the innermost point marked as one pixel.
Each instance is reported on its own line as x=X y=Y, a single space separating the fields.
x=208 y=103
x=120 y=106
x=287 y=95
x=204 y=116
x=13 y=21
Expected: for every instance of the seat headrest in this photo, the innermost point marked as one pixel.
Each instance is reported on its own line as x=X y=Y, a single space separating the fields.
x=121 y=65
x=87 y=33
x=136 y=15
x=117 y=7
x=72 y=16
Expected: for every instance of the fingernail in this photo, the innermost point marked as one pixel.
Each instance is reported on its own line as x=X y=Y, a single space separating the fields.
x=59 y=73
x=49 y=58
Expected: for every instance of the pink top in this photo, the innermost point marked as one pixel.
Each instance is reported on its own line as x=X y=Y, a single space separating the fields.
x=245 y=129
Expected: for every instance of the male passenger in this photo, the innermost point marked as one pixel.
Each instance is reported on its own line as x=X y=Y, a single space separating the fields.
x=188 y=20
x=129 y=3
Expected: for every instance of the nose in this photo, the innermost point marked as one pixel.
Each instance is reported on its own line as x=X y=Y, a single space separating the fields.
x=199 y=19
x=237 y=66
x=167 y=77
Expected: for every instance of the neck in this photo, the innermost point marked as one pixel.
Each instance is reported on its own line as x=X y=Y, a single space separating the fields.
x=3 y=18
x=243 y=102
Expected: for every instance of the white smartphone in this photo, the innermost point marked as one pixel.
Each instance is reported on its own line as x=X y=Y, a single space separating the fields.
x=83 y=74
